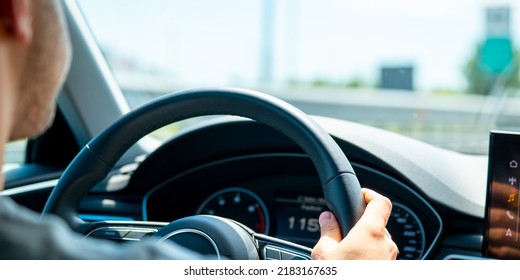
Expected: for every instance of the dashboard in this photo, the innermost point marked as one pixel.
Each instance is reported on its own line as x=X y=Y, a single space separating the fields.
x=285 y=200
x=253 y=174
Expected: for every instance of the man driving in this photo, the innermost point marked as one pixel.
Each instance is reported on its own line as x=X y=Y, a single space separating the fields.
x=34 y=59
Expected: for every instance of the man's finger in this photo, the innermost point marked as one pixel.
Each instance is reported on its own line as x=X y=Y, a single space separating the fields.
x=378 y=208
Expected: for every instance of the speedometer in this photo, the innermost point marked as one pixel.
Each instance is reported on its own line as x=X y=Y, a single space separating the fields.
x=407 y=232
x=297 y=218
x=240 y=205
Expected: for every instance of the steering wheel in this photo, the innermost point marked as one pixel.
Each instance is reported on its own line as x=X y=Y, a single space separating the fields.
x=214 y=235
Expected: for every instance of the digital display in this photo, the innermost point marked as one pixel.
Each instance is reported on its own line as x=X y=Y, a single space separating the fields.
x=502 y=230
x=297 y=218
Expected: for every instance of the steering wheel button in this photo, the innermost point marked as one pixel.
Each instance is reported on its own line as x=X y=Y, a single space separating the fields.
x=291 y=256
x=138 y=234
x=109 y=233
x=272 y=254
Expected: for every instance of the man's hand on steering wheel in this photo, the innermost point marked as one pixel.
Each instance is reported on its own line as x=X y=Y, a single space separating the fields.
x=368 y=239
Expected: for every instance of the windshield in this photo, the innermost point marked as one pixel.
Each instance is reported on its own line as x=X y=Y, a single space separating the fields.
x=444 y=72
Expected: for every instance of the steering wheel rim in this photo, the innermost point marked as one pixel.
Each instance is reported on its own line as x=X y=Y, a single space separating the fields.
x=341 y=188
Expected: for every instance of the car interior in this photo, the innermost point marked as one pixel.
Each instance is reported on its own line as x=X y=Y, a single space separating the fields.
x=244 y=163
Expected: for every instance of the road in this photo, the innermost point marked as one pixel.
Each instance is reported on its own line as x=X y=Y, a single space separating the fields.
x=459 y=122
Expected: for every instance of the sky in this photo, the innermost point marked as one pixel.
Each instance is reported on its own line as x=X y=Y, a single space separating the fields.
x=222 y=42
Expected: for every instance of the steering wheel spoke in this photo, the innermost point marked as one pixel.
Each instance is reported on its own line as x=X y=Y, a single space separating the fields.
x=121 y=231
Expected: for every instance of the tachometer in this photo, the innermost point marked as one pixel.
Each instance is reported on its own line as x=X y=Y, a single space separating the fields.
x=240 y=205
x=407 y=232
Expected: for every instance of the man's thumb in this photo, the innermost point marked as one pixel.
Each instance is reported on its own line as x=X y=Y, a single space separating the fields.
x=329 y=226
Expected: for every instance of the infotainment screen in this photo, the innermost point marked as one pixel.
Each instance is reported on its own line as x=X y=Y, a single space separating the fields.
x=502 y=228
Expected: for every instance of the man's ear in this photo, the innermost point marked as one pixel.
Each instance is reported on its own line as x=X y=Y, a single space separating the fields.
x=16 y=20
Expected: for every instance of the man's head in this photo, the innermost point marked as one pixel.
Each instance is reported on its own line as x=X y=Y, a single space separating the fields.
x=34 y=57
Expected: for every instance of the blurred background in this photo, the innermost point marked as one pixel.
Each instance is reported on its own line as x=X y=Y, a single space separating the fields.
x=445 y=72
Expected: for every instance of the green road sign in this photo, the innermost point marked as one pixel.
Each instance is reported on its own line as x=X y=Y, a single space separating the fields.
x=496 y=55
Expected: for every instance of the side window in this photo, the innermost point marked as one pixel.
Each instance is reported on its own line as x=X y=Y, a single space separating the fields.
x=15 y=154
